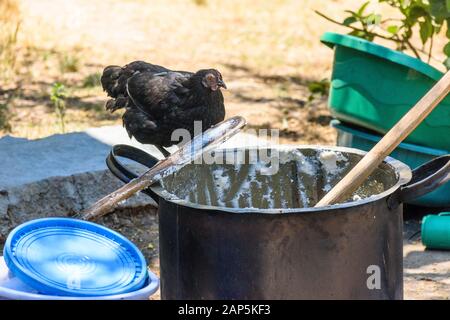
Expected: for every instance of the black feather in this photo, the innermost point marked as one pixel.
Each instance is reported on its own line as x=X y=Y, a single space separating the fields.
x=158 y=100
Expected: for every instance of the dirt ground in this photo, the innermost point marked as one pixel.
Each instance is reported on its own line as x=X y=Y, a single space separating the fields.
x=267 y=51
x=426 y=273
x=267 y=56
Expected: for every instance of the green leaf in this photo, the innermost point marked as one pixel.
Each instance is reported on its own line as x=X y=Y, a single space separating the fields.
x=353 y=13
x=426 y=30
x=416 y=12
x=362 y=34
x=349 y=20
x=447 y=49
x=373 y=19
x=437 y=20
x=362 y=8
x=447 y=33
x=392 y=29
x=377 y=19
x=440 y=8
x=447 y=63
x=357 y=33
x=407 y=34
x=322 y=87
x=405 y=3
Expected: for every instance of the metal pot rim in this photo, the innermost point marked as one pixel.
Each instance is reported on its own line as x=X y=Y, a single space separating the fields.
x=402 y=171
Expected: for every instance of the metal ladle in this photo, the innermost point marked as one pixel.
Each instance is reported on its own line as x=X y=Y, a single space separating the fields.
x=200 y=144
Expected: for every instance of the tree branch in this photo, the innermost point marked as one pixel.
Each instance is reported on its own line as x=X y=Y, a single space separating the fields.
x=414 y=50
x=396 y=40
x=431 y=50
x=356 y=29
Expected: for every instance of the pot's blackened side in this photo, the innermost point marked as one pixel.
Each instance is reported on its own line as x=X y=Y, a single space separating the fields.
x=348 y=253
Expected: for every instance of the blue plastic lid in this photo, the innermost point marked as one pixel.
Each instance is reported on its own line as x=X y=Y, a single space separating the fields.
x=70 y=257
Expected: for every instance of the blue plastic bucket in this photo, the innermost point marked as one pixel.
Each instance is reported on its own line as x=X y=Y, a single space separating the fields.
x=54 y=258
x=12 y=288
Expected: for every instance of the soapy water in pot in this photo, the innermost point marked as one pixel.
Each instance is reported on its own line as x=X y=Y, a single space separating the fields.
x=304 y=176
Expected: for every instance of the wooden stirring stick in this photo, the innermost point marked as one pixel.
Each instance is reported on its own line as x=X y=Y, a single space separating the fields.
x=388 y=143
x=200 y=144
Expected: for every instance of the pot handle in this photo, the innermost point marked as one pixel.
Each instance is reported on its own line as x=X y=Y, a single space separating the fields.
x=122 y=172
x=426 y=178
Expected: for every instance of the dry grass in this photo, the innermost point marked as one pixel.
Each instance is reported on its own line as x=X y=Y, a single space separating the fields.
x=267 y=51
x=9 y=26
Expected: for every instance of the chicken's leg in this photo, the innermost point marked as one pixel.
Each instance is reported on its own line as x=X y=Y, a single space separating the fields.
x=164 y=152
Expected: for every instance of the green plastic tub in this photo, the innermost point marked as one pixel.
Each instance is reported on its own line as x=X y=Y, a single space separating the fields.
x=410 y=154
x=436 y=231
x=373 y=87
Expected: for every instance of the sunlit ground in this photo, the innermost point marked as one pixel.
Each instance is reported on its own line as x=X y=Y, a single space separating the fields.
x=267 y=51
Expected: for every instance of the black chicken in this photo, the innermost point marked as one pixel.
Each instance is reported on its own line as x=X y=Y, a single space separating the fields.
x=158 y=100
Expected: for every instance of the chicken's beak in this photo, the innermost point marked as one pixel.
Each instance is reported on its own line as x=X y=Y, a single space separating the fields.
x=222 y=84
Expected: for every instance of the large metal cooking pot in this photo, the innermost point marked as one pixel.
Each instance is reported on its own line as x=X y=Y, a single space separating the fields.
x=236 y=240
